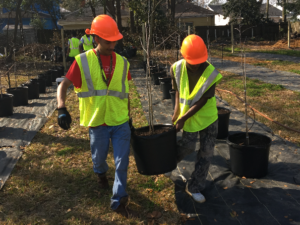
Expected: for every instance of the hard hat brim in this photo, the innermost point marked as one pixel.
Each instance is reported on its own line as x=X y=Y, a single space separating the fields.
x=196 y=61
x=113 y=38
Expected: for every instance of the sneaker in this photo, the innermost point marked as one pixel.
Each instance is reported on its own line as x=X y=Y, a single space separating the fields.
x=102 y=181
x=168 y=174
x=198 y=197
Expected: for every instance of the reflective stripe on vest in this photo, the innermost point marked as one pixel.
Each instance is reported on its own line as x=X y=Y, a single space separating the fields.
x=86 y=40
x=92 y=92
x=71 y=43
x=201 y=91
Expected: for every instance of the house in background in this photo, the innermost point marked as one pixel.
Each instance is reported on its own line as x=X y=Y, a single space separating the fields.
x=219 y=17
x=275 y=14
x=189 y=14
x=8 y=18
x=82 y=18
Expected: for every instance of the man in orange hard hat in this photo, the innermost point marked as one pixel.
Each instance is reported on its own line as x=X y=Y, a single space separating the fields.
x=100 y=77
x=86 y=42
x=194 y=80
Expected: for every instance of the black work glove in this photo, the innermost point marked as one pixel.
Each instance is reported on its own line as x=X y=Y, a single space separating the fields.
x=64 y=119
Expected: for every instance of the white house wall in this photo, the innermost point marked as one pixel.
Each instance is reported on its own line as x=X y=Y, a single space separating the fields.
x=221 y=21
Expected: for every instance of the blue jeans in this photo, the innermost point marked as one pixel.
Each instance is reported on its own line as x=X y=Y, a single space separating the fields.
x=120 y=139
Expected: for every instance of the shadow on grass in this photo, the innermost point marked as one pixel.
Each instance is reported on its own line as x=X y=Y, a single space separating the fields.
x=63 y=190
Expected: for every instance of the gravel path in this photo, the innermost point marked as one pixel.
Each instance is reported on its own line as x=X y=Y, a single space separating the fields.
x=287 y=79
x=268 y=56
x=256 y=201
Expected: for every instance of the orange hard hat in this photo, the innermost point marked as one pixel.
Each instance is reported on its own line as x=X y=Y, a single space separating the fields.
x=87 y=31
x=105 y=27
x=193 y=50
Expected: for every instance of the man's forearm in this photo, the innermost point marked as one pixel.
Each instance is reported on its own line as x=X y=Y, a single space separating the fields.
x=62 y=93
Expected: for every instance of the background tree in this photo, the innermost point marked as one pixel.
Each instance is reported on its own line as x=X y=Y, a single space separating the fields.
x=248 y=11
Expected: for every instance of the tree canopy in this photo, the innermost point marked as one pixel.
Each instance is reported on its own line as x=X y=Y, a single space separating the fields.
x=245 y=11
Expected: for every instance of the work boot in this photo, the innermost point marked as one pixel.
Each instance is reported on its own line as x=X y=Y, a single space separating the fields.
x=103 y=182
x=124 y=210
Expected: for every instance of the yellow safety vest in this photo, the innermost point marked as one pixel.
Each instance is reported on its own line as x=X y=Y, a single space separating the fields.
x=74 y=47
x=97 y=103
x=88 y=44
x=208 y=113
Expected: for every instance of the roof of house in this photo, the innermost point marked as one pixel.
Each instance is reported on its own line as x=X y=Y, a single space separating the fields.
x=84 y=17
x=186 y=10
x=273 y=11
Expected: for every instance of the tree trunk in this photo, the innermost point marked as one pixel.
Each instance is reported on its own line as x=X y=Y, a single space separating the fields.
x=267 y=9
x=9 y=58
x=9 y=14
x=21 y=28
x=119 y=21
x=172 y=9
x=132 y=27
x=104 y=7
x=111 y=8
x=283 y=11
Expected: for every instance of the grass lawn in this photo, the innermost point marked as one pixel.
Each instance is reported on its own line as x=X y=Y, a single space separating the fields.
x=282 y=52
x=273 y=100
x=270 y=64
x=54 y=182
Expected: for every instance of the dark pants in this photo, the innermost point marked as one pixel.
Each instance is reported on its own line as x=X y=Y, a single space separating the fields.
x=187 y=145
x=70 y=59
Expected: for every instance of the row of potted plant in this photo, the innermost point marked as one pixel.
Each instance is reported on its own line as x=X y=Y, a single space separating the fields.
x=20 y=94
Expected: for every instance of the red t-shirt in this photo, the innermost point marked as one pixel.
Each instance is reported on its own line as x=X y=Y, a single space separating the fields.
x=74 y=74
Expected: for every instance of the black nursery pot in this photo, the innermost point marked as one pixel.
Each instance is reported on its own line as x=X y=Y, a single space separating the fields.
x=42 y=84
x=172 y=94
x=6 y=105
x=33 y=89
x=155 y=154
x=48 y=78
x=164 y=79
x=166 y=87
x=55 y=74
x=223 y=123
x=249 y=161
x=20 y=95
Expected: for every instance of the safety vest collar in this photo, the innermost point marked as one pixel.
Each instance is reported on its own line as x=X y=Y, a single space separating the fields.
x=87 y=41
x=201 y=91
x=91 y=91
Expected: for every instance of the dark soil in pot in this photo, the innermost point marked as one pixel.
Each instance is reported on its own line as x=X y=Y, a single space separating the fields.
x=223 y=122
x=249 y=161
x=20 y=95
x=172 y=94
x=6 y=105
x=155 y=154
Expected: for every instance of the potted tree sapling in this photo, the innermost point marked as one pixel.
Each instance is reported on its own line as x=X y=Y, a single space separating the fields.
x=249 y=151
x=20 y=93
x=154 y=146
x=6 y=102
